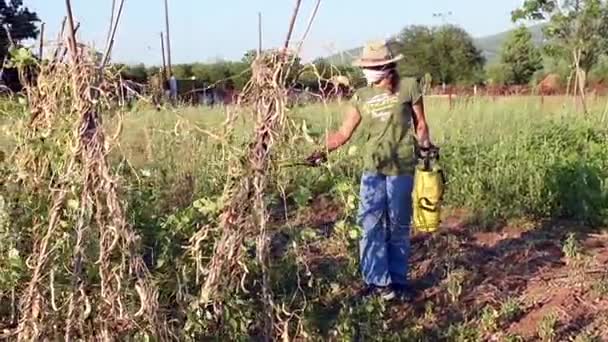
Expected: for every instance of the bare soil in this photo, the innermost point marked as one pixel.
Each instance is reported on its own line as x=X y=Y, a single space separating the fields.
x=522 y=262
x=526 y=264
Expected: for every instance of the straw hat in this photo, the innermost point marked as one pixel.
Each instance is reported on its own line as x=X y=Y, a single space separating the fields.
x=376 y=53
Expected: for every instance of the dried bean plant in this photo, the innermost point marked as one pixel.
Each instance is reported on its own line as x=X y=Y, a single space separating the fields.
x=245 y=213
x=87 y=279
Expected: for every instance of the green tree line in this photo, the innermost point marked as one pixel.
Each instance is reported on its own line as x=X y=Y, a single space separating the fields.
x=236 y=73
x=17 y=23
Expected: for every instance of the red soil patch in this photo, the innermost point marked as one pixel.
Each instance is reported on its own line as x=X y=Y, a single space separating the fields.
x=515 y=262
x=520 y=261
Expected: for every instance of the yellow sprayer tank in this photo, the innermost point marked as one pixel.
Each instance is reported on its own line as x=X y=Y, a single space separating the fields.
x=427 y=197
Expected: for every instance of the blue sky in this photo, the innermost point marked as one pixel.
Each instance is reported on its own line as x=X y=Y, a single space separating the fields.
x=204 y=30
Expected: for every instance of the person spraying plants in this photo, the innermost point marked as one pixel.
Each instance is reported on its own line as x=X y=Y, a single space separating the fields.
x=389 y=113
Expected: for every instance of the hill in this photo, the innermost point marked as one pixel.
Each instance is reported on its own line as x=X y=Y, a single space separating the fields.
x=489 y=45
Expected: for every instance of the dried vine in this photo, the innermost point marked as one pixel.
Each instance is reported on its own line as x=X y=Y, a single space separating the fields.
x=104 y=290
x=245 y=214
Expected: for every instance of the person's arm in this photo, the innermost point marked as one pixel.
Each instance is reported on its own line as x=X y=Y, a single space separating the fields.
x=350 y=123
x=422 y=128
x=334 y=140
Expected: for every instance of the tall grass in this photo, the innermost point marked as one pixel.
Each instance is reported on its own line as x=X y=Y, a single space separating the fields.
x=527 y=158
x=505 y=157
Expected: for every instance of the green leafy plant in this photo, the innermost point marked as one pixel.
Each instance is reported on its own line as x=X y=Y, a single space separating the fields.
x=510 y=310
x=547 y=326
x=462 y=332
x=572 y=248
x=489 y=319
x=20 y=57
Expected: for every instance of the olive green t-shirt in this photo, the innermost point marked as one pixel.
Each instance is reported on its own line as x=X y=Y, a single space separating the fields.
x=386 y=127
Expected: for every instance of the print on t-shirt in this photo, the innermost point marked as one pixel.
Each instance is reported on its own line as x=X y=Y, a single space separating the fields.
x=380 y=107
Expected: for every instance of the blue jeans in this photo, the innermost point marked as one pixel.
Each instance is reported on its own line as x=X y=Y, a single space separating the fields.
x=385 y=213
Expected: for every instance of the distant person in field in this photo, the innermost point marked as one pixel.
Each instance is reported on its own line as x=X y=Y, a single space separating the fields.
x=173 y=87
x=391 y=113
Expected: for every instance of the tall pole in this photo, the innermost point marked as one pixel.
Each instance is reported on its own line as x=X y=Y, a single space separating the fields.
x=41 y=46
x=110 y=42
x=292 y=23
x=168 y=37
x=111 y=20
x=162 y=48
x=72 y=31
x=259 y=33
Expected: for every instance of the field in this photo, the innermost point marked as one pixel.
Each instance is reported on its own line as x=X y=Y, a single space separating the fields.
x=521 y=255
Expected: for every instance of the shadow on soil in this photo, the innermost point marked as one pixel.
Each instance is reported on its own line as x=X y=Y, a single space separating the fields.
x=461 y=270
x=492 y=267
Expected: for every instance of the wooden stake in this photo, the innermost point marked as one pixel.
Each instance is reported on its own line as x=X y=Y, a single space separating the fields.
x=292 y=23
x=72 y=31
x=169 y=67
x=259 y=33
x=110 y=42
x=41 y=46
x=162 y=49
x=111 y=20
x=310 y=21
x=59 y=38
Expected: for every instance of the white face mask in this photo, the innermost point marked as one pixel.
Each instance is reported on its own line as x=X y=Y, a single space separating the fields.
x=374 y=76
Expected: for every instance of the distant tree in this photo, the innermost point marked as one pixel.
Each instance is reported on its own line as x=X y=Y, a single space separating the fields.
x=137 y=73
x=447 y=53
x=206 y=73
x=20 y=22
x=182 y=71
x=417 y=44
x=499 y=74
x=355 y=76
x=240 y=73
x=599 y=72
x=221 y=73
x=576 y=30
x=521 y=56
x=153 y=70
x=458 y=59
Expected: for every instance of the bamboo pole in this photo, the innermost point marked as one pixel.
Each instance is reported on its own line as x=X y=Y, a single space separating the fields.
x=59 y=38
x=41 y=44
x=111 y=21
x=169 y=65
x=309 y=26
x=162 y=50
x=292 y=23
x=259 y=33
x=72 y=31
x=110 y=42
